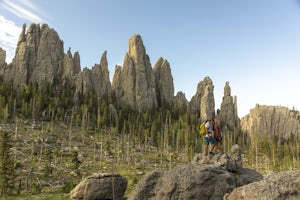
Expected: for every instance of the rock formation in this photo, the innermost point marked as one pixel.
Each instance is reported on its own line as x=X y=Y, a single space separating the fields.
x=116 y=84
x=134 y=83
x=83 y=81
x=228 y=112
x=275 y=186
x=164 y=83
x=95 y=79
x=71 y=66
x=100 y=186
x=2 y=57
x=208 y=177
x=232 y=163
x=272 y=121
x=203 y=101
x=180 y=103
x=184 y=182
x=39 y=56
x=100 y=77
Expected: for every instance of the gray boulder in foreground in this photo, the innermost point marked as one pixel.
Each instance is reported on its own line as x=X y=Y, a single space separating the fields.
x=207 y=177
x=275 y=186
x=184 y=182
x=100 y=186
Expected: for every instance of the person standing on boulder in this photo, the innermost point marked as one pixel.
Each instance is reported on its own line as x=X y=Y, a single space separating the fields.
x=218 y=135
x=209 y=139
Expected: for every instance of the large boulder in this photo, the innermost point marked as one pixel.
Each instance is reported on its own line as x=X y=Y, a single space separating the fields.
x=100 y=187
x=275 y=186
x=184 y=182
x=207 y=177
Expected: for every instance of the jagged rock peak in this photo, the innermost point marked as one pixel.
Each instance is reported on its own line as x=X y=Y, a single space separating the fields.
x=95 y=79
x=227 y=89
x=36 y=59
x=116 y=83
x=104 y=67
x=22 y=36
x=164 y=82
x=228 y=111
x=207 y=103
x=136 y=47
x=180 y=102
x=203 y=101
x=2 y=57
x=71 y=66
x=136 y=83
x=100 y=75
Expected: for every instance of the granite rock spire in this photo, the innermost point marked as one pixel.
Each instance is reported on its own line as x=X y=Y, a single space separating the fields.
x=135 y=83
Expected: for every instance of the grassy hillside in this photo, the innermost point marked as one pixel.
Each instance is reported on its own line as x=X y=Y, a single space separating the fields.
x=50 y=158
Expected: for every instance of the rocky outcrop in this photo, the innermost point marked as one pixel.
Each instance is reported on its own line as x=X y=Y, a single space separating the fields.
x=5 y=69
x=2 y=57
x=83 y=81
x=203 y=101
x=180 y=103
x=124 y=87
x=71 y=66
x=100 y=186
x=39 y=56
x=134 y=83
x=232 y=163
x=164 y=83
x=275 y=186
x=184 y=182
x=228 y=113
x=272 y=121
x=95 y=79
x=208 y=177
x=116 y=84
x=49 y=56
x=100 y=77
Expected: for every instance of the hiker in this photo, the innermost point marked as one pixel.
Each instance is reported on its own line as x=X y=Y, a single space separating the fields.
x=218 y=136
x=209 y=139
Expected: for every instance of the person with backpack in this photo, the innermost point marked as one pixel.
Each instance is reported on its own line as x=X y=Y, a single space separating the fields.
x=218 y=135
x=209 y=139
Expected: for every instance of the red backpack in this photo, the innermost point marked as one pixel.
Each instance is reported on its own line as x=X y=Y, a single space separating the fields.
x=217 y=133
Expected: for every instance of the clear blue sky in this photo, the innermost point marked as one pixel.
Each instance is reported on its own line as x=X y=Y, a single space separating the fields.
x=253 y=44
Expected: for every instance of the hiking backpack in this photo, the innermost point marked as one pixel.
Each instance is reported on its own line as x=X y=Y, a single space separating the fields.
x=202 y=129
